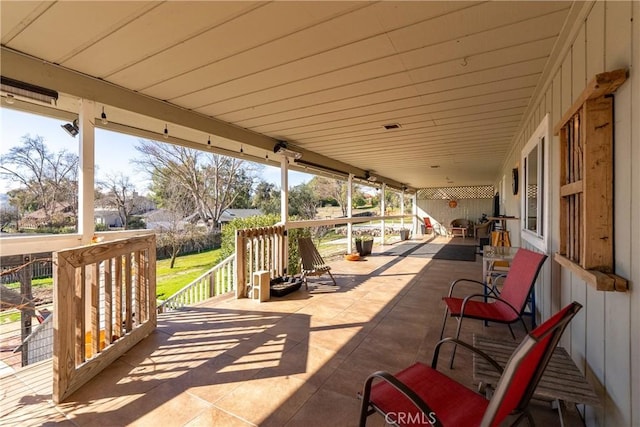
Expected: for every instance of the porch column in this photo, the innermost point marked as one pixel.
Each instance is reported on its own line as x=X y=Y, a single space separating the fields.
x=383 y=208
x=402 y=208
x=284 y=208
x=414 y=212
x=86 y=170
x=349 y=214
x=284 y=189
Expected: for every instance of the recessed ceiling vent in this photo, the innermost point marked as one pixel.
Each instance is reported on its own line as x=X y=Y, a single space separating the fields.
x=391 y=126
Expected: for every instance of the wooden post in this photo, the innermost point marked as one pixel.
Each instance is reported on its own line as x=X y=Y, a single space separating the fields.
x=26 y=313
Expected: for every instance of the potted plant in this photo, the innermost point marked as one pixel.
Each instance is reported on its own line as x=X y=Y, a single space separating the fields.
x=364 y=244
x=404 y=234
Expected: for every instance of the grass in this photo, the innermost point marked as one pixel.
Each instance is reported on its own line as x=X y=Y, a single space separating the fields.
x=47 y=282
x=186 y=269
x=168 y=280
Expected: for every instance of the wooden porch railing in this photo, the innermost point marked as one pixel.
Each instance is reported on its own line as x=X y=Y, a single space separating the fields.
x=257 y=249
x=104 y=304
x=216 y=281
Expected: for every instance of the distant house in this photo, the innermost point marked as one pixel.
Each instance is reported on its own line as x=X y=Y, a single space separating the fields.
x=107 y=214
x=108 y=217
x=231 y=214
x=162 y=219
x=60 y=213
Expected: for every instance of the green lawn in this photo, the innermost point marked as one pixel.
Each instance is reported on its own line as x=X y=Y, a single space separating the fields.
x=187 y=268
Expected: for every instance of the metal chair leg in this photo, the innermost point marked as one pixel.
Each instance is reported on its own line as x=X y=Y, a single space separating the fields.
x=455 y=346
x=444 y=321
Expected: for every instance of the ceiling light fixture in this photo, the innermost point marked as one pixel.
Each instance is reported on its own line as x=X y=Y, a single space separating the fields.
x=26 y=90
x=71 y=128
x=166 y=131
x=10 y=99
x=281 y=148
x=103 y=117
x=209 y=140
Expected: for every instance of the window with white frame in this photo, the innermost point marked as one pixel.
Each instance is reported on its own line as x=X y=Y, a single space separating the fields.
x=534 y=190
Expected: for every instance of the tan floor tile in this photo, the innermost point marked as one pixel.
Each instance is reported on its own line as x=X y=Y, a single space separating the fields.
x=327 y=408
x=165 y=402
x=268 y=401
x=216 y=378
x=305 y=362
x=215 y=417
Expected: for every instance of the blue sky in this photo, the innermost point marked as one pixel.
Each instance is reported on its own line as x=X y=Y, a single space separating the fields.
x=113 y=151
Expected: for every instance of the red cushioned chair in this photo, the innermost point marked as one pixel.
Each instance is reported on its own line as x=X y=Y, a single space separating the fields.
x=507 y=306
x=428 y=228
x=420 y=395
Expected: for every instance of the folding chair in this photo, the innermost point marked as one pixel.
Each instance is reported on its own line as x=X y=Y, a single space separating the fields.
x=507 y=306
x=420 y=395
x=311 y=261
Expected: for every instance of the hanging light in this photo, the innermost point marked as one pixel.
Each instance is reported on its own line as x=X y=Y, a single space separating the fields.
x=103 y=116
x=166 y=132
x=209 y=140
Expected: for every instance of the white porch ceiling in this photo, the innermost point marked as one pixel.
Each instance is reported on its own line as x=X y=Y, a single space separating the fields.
x=324 y=76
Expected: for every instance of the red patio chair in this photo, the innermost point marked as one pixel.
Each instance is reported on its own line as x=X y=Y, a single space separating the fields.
x=420 y=395
x=428 y=228
x=507 y=306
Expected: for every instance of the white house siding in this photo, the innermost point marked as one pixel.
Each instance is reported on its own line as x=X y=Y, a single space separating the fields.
x=604 y=339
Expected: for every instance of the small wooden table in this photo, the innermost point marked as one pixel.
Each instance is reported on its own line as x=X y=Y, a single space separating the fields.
x=458 y=231
x=561 y=382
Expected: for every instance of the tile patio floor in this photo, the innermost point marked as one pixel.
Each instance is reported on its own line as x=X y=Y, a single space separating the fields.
x=294 y=361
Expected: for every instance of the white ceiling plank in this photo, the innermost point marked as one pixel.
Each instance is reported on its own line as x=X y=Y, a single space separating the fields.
x=360 y=73
x=420 y=119
x=18 y=15
x=350 y=28
x=54 y=35
x=399 y=115
x=265 y=24
x=405 y=93
x=393 y=106
x=144 y=38
x=471 y=21
x=392 y=82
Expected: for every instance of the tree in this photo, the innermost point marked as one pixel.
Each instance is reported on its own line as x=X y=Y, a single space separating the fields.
x=213 y=182
x=326 y=188
x=46 y=178
x=176 y=231
x=266 y=198
x=8 y=216
x=302 y=201
x=120 y=196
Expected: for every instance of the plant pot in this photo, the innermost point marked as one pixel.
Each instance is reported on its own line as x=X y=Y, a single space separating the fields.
x=364 y=247
x=404 y=234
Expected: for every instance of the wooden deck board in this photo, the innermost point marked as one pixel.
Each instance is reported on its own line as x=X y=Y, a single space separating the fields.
x=562 y=380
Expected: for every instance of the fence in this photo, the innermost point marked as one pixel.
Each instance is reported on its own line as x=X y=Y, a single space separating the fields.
x=263 y=248
x=104 y=304
x=216 y=281
x=38 y=269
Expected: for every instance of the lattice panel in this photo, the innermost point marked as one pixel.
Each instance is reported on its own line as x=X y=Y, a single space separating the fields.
x=457 y=193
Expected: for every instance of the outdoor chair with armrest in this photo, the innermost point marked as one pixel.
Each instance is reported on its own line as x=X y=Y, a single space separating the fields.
x=311 y=261
x=420 y=395
x=507 y=306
